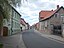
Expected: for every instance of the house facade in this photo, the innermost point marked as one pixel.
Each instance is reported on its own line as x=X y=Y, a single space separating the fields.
x=28 y=26
x=37 y=26
x=12 y=25
x=14 y=21
x=22 y=24
x=52 y=22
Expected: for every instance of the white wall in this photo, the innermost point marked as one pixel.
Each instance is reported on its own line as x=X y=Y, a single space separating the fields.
x=23 y=27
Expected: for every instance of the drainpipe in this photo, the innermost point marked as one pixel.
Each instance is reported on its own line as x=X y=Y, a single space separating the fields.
x=12 y=22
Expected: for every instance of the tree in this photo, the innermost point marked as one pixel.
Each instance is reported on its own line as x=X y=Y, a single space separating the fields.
x=1 y=20
x=3 y=8
x=3 y=13
x=15 y=2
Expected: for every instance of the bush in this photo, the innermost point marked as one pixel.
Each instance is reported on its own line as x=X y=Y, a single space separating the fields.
x=1 y=45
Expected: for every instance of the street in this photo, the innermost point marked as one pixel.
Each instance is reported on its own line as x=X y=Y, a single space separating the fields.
x=34 y=40
x=31 y=24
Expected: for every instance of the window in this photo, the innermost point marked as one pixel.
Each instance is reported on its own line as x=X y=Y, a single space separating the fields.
x=13 y=13
x=4 y=22
x=62 y=14
x=62 y=17
x=55 y=15
x=45 y=23
x=42 y=25
x=51 y=26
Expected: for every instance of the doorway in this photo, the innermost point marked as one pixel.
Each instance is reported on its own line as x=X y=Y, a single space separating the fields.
x=5 y=31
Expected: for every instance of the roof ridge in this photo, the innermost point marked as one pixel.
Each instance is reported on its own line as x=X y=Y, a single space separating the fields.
x=48 y=14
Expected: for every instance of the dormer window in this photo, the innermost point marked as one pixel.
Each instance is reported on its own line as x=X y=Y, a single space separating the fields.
x=56 y=15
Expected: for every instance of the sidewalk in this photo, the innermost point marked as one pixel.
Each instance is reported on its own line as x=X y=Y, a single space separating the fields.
x=54 y=37
x=14 y=41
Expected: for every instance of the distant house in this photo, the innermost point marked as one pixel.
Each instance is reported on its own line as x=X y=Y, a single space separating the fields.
x=37 y=26
x=52 y=22
x=24 y=25
x=12 y=25
x=34 y=26
x=28 y=26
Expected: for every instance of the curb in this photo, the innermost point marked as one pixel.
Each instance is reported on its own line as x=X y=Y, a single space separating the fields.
x=25 y=44
x=57 y=40
x=22 y=45
x=50 y=37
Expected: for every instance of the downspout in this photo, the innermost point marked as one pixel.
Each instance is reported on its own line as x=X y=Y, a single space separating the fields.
x=12 y=22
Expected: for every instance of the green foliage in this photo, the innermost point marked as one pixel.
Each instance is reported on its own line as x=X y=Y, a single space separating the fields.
x=1 y=45
x=1 y=23
x=4 y=9
x=4 y=13
x=15 y=2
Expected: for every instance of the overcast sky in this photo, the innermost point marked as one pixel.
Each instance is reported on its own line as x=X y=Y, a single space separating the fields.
x=30 y=9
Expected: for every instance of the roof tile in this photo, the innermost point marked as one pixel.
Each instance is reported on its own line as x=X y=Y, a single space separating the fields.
x=46 y=14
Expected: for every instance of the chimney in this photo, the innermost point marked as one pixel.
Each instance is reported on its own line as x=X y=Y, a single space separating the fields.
x=57 y=6
x=52 y=10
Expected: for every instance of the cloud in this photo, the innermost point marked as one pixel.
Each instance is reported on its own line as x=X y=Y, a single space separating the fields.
x=30 y=10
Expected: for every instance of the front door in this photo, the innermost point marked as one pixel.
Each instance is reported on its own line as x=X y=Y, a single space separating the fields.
x=5 y=31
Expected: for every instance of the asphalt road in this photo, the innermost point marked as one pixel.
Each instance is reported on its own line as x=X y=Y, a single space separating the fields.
x=34 y=40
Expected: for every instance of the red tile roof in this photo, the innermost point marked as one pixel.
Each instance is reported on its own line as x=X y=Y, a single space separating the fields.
x=37 y=24
x=46 y=14
x=22 y=21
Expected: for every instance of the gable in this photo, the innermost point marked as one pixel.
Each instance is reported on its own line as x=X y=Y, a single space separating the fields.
x=51 y=14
